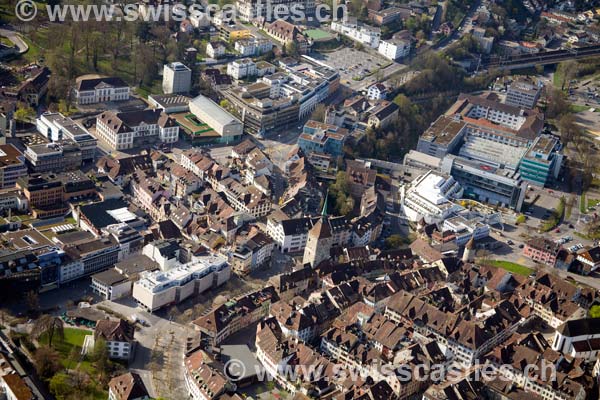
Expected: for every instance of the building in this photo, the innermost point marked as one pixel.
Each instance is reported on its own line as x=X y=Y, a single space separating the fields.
x=12 y=166
x=111 y=284
x=541 y=250
x=377 y=91
x=485 y=182
x=158 y=289
x=238 y=313
x=543 y=161
x=230 y=32
x=203 y=380
x=170 y=103
x=395 y=48
x=318 y=242
x=485 y=42
x=58 y=128
x=177 y=78
x=325 y=139
x=364 y=34
x=119 y=338
x=383 y=114
x=253 y=47
x=100 y=90
x=242 y=68
x=65 y=155
x=128 y=386
x=215 y=49
x=7 y=120
x=360 y=177
x=431 y=197
x=11 y=199
x=131 y=129
x=286 y=33
x=442 y=137
x=578 y=338
x=523 y=94
x=589 y=258
x=228 y=127
x=252 y=254
x=278 y=100
x=15 y=388
x=89 y=256
x=44 y=194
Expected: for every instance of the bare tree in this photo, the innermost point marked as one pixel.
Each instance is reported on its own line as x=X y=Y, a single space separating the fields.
x=33 y=301
x=50 y=325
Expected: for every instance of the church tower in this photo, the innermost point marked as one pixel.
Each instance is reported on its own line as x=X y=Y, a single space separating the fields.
x=469 y=253
x=319 y=241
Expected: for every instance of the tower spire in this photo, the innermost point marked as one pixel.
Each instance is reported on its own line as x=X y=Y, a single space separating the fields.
x=324 y=211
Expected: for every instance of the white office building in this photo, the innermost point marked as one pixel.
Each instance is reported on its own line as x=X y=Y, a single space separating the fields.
x=240 y=69
x=158 y=289
x=430 y=197
x=177 y=78
x=393 y=49
x=253 y=47
x=367 y=35
x=57 y=127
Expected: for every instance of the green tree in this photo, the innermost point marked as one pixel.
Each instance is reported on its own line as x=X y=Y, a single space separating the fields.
x=595 y=311
x=24 y=114
x=394 y=242
x=100 y=358
x=60 y=386
x=291 y=49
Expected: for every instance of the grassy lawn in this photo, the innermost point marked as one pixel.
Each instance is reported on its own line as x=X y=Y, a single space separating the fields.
x=73 y=338
x=578 y=108
x=582 y=207
x=34 y=52
x=511 y=267
x=592 y=202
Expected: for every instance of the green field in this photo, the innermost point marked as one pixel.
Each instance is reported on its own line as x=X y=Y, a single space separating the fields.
x=318 y=34
x=511 y=267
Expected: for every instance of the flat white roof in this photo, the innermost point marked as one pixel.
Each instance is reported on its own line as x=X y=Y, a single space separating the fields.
x=122 y=214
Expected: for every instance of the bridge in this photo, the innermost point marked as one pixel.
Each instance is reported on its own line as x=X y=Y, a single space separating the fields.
x=545 y=58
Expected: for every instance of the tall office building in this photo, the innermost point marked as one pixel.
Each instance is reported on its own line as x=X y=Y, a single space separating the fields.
x=177 y=78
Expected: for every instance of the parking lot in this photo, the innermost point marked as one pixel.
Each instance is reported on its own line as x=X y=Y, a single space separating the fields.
x=351 y=63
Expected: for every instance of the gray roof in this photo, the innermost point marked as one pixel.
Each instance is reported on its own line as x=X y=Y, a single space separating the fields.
x=109 y=277
x=214 y=110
